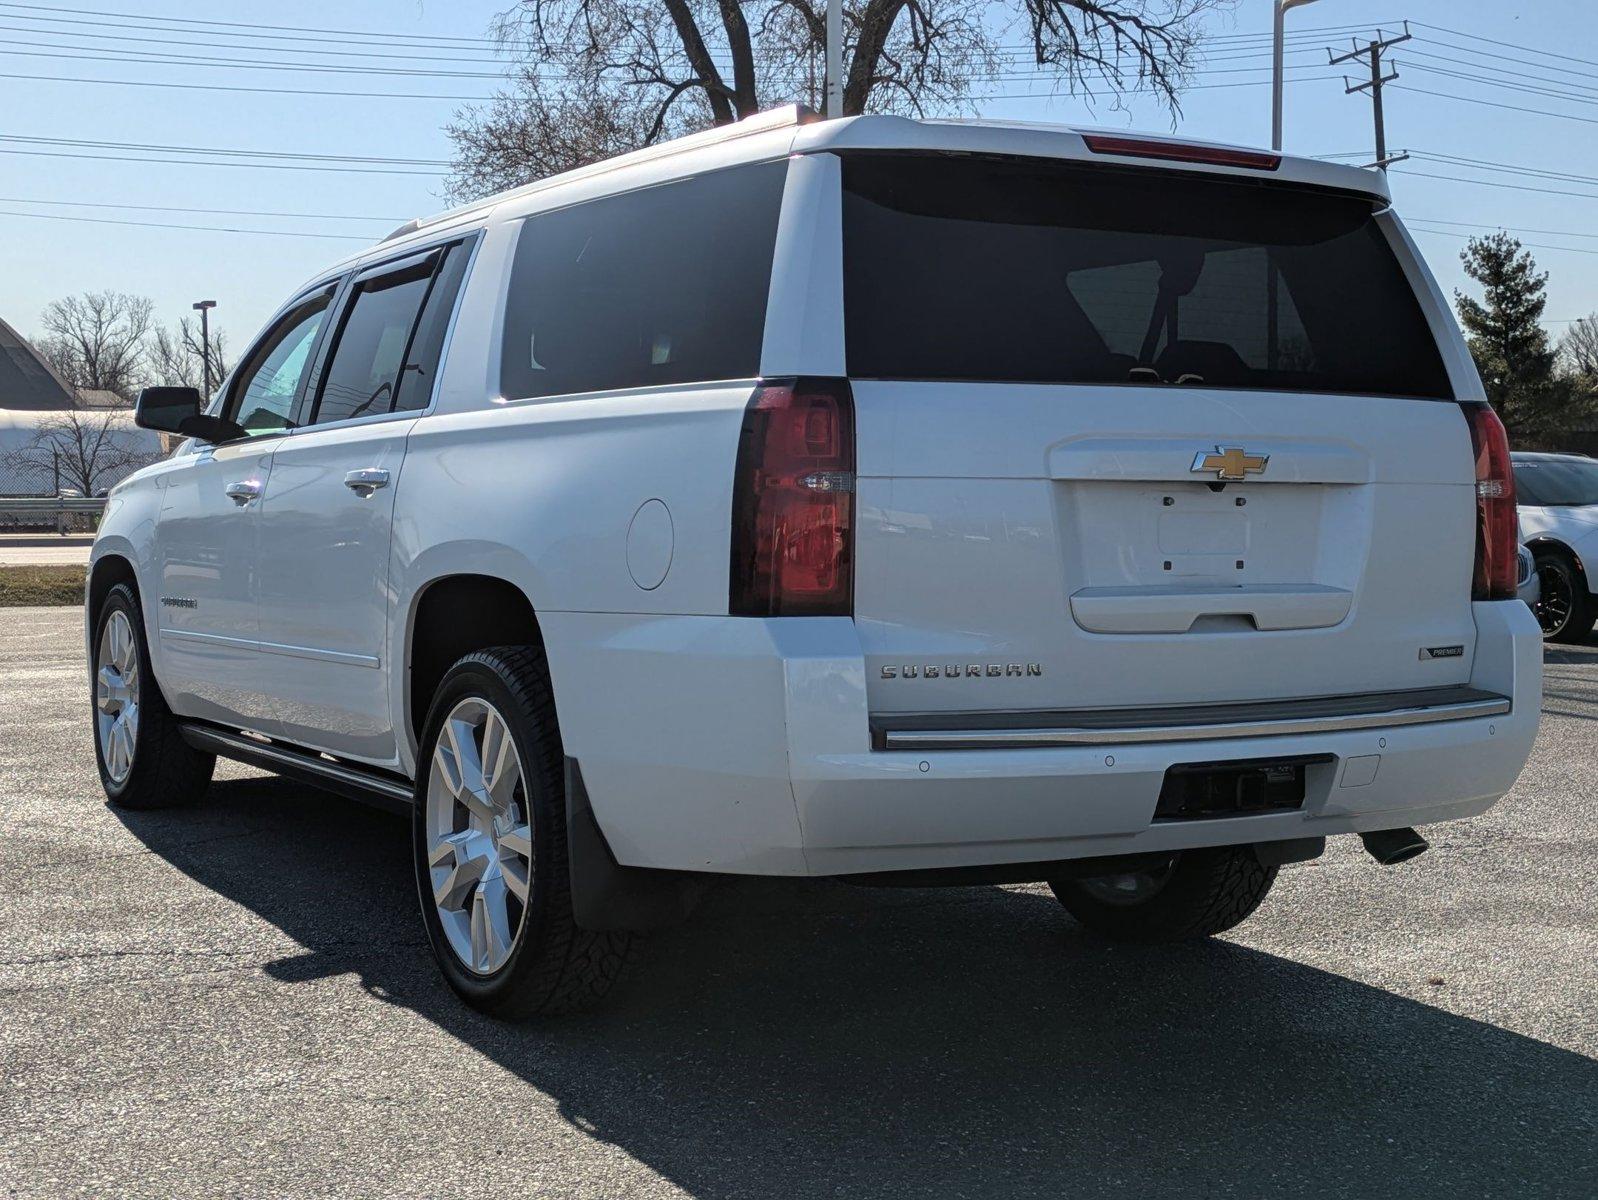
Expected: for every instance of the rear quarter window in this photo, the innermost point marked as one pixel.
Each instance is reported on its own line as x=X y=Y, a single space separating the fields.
x=1029 y=271
x=660 y=286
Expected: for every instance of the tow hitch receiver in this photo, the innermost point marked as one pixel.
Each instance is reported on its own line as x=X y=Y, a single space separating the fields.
x=1196 y=791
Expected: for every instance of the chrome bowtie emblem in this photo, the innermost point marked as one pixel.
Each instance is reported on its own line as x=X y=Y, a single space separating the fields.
x=1229 y=462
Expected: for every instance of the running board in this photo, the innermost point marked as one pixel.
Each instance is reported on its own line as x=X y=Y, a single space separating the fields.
x=358 y=783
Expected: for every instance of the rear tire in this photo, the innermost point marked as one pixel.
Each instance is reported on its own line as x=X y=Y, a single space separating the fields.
x=144 y=761
x=492 y=869
x=1565 y=608
x=1195 y=894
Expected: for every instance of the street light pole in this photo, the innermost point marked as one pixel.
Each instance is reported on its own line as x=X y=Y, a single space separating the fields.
x=1281 y=7
x=204 y=307
x=834 y=59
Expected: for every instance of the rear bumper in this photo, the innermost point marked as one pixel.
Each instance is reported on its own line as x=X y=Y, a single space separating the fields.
x=727 y=744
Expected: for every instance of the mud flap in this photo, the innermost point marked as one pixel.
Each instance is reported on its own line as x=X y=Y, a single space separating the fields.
x=609 y=896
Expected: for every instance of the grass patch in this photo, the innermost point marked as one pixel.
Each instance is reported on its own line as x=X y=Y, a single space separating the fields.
x=40 y=585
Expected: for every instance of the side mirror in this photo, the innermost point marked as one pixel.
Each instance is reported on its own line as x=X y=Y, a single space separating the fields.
x=177 y=410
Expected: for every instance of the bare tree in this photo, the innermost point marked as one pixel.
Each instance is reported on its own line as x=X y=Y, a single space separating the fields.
x=96 y=340
x=81 y=451
x=597 y=77
x=176 y=356
x=1578 y=349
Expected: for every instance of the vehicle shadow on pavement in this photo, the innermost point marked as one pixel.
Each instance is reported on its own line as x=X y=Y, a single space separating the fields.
x=809 y=1039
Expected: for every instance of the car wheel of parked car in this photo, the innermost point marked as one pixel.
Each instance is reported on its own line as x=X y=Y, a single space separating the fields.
x=1565 y=608
x=489 y=833
x=144 y=761
x=1193 y=894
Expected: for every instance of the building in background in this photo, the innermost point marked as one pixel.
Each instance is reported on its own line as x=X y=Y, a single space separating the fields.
x=55 y=438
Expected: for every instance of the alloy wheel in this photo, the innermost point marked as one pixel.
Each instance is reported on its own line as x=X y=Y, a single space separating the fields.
x=116 y=696
x=479 y=842
x=1556 y=597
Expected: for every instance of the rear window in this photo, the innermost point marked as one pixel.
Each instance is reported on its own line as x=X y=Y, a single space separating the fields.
x=659 y=286
x=1556 y=483
x=1037 y=272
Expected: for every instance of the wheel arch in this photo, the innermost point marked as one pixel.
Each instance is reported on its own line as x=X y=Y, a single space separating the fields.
x=450 y=616
x=1545 y=543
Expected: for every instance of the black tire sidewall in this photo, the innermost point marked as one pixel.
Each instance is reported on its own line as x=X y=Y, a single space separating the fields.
x=1185 y=907
x=480 y=676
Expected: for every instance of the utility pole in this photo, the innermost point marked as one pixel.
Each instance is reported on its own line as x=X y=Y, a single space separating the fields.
x=204 y=307
x=834 y=59
x=1281 y=7
x=1373 y=50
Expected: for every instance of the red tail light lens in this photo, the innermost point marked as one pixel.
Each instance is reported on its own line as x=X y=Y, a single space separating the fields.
x=1215 y=156
x=793 y=502
x=1497 y=524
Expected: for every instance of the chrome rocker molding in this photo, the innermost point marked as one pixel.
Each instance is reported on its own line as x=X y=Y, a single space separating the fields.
x=1187 y=723
x=358 y=783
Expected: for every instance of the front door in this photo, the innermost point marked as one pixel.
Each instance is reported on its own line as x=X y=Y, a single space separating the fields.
x=325 y=533
x=208 y=533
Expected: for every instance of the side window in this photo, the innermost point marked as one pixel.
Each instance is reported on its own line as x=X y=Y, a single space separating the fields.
x=363 y=372
x=421 y=364
x=659 y=286
x=263 y=396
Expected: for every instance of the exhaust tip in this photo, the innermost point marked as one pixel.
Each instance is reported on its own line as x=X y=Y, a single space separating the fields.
x=1393 y=846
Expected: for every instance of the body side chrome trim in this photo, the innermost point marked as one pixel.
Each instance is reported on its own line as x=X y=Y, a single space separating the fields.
x=335 y=656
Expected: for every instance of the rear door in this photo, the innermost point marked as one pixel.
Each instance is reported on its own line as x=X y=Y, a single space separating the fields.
x=1133 y=437
x=327 y=523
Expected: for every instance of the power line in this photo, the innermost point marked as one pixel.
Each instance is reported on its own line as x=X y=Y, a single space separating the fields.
x=1518 y=187
x=222 y=150
x=183 y=162
x=1506 y=228
x=223 y=87
x=1541 y=112
x=1512 y=45
x=385 y=37
x=347 y=237
x=1533 y=245
x=1527 y=89
x=226 y=212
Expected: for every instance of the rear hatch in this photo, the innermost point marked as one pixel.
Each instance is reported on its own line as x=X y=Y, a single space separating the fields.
x=1134 y=437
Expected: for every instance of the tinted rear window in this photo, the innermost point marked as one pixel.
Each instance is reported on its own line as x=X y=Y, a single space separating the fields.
x=659 y=286
x=1555 y=482
x=1028 y=271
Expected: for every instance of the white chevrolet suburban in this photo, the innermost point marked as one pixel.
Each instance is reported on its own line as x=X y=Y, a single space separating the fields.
x=904 y=501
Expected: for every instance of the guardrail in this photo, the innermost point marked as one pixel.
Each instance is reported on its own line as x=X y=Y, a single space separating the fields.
x=57 y=507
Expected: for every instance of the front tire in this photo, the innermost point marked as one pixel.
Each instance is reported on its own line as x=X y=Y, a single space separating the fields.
x=489 y=841
x=1565 y=607
x=1192 y=894
x=144 y=761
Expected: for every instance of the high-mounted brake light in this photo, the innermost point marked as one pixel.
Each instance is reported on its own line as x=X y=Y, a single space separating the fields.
x=793 y=502
x=1497 y=522
x=1215 y=156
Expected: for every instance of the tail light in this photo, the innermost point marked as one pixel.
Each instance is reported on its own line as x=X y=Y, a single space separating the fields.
x=1187 y=152
x=793 y=502
x=1497 y=524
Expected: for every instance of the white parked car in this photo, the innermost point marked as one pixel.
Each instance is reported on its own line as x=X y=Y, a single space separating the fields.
x=915 y=502
x=1558 y=495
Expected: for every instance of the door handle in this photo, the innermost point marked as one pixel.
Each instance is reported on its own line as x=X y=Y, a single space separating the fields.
x=366 y=480
x=244 y=491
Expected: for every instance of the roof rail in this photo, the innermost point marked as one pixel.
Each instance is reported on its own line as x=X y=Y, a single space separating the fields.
x=785 y=116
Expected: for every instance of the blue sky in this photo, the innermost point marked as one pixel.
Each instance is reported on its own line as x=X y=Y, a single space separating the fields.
x=1453 y=73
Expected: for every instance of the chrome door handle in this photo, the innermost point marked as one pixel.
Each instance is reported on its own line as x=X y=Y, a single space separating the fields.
x=367 y=480
x=244 y=491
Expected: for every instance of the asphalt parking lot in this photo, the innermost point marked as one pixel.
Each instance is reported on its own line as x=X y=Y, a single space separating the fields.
x=237 y=1000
